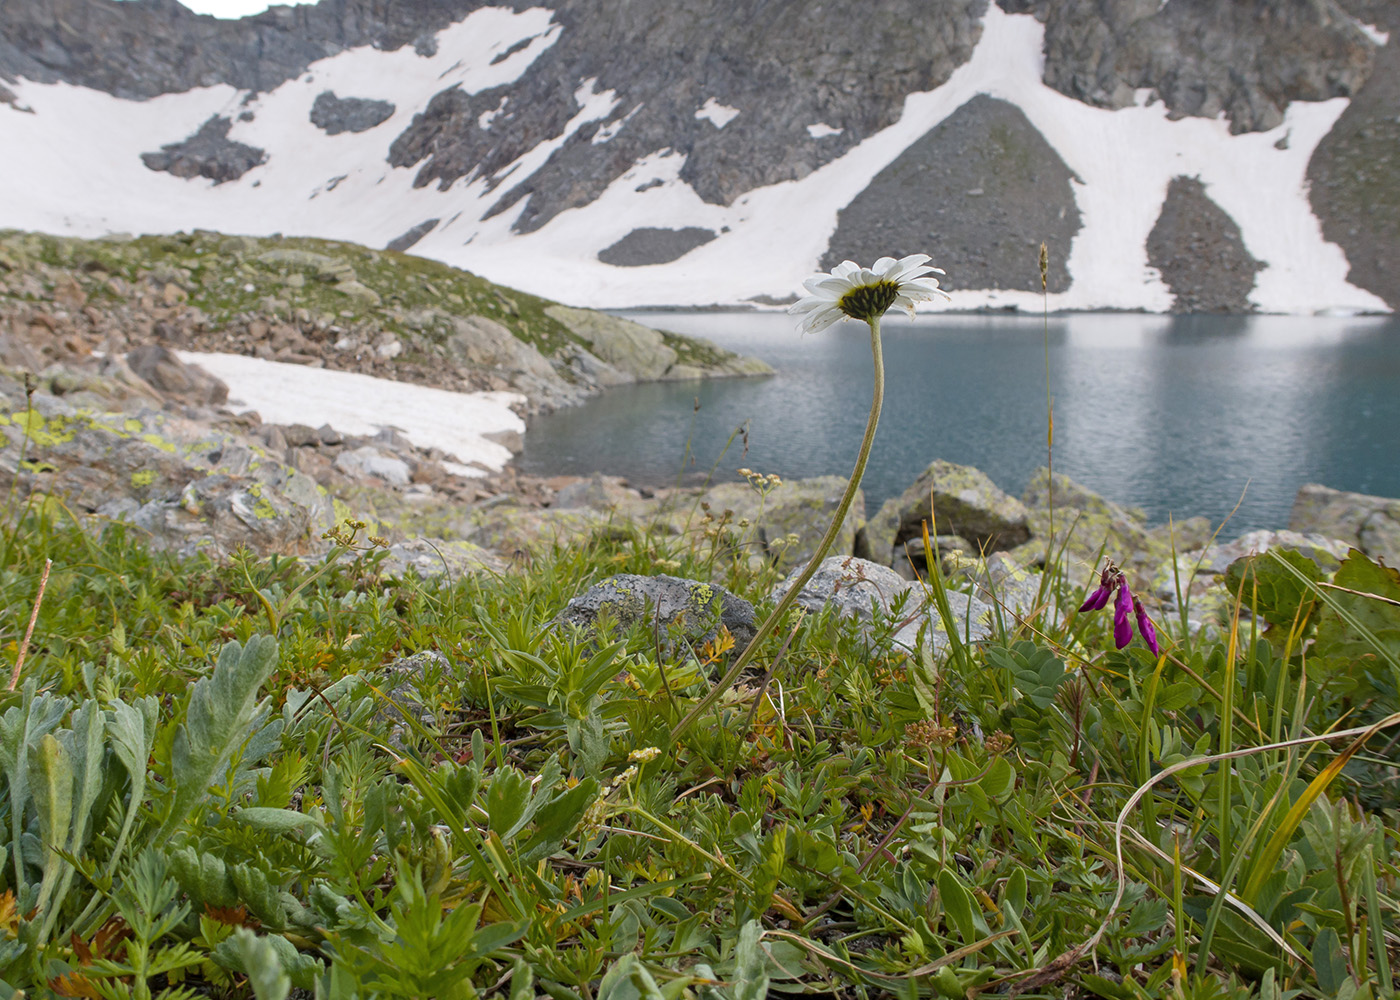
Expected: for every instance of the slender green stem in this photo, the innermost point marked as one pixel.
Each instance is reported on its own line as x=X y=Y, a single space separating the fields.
x=771 y=622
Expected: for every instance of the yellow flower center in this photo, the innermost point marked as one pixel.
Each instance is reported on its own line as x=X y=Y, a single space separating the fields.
x=869 y=301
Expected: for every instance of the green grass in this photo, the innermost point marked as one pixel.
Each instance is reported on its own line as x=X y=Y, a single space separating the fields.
x=209 y=791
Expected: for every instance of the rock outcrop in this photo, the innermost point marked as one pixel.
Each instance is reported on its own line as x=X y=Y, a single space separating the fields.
x=1371 y=524
x=693 y=610
x=334 y=115
x=318 y=302
x=1198 y=250
x=1246 y=61
x=209 y=152
x=982 y=188
x=958 y=501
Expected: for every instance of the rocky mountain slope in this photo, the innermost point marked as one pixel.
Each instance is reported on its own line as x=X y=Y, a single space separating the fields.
x=643 y=152
x=325 y=304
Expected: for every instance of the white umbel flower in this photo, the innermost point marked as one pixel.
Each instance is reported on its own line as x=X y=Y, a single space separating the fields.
x=866 y=292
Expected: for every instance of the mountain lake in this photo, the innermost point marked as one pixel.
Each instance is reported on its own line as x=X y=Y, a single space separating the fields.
x=1177 y=415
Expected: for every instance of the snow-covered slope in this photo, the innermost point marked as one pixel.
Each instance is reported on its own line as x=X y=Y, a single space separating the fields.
x=73 y=163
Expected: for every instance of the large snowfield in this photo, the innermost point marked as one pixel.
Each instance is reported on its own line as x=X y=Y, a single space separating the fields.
x=72 y=165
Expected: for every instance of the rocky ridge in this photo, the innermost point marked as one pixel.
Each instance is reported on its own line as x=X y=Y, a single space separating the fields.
x=322 y=303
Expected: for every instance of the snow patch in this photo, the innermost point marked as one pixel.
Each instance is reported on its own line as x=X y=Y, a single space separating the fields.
x=612 y=128
x=484 y=120
x=1374 y=33
x=820 y=130
x=363 y=405
x=719 y=115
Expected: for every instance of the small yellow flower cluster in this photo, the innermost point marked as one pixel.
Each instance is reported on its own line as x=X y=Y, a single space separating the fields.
x=644 y=755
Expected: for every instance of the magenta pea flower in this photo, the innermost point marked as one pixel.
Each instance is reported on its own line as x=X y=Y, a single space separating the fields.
x=1144 y=624
x=1122 y=628
x=1099 y=598
x=1111 y=582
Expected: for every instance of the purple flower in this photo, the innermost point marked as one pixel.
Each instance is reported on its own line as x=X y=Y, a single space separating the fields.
x=1144 y=624
x=1111 y=582
x=1108 y=579
x=1122 y=628
x=1097 y=599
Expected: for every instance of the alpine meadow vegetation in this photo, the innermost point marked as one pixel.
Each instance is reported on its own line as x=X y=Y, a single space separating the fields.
x=221 y=778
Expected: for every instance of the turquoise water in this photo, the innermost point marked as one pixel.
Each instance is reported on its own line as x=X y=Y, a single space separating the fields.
x=1178 y=415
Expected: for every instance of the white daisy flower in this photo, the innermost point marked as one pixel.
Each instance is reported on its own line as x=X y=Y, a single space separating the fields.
x=866 y=292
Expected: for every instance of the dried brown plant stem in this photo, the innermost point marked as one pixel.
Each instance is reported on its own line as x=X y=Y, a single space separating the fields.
x=29 y=632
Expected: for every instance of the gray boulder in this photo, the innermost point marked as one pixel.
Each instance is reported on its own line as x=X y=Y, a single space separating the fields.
x=961 y=501
x=973 y=621
x=858 y=588
x=175 y=380
x=851 y=586
x=1370 y=523
x=694 y=608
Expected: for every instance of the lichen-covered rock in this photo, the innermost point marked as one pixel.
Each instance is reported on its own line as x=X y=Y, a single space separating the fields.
x=220 y=514
x=850 y=586
x=1328 y=553
x=696 y=610
x=429 y=557
x=400 y=692
x=633 y=348
x=598 y=491
x=1198 y=575
x=1370 y=523
x=973 y=621
x=1084 y=524
x=958 y=500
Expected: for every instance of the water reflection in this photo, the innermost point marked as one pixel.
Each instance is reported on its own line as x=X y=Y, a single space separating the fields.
x=1173 y=414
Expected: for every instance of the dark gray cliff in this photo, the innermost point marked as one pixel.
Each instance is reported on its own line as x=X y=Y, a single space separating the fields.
x=142 y=48
x=1354 y=174
x=782 y=66
x=1203 y=58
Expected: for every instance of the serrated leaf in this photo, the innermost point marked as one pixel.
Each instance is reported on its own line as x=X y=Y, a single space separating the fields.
x=218 y=722
x=1277 y=593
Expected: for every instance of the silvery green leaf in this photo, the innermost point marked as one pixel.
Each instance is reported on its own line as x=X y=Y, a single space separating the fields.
x=52 y=769
x=218 y=722
x=21 y=727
